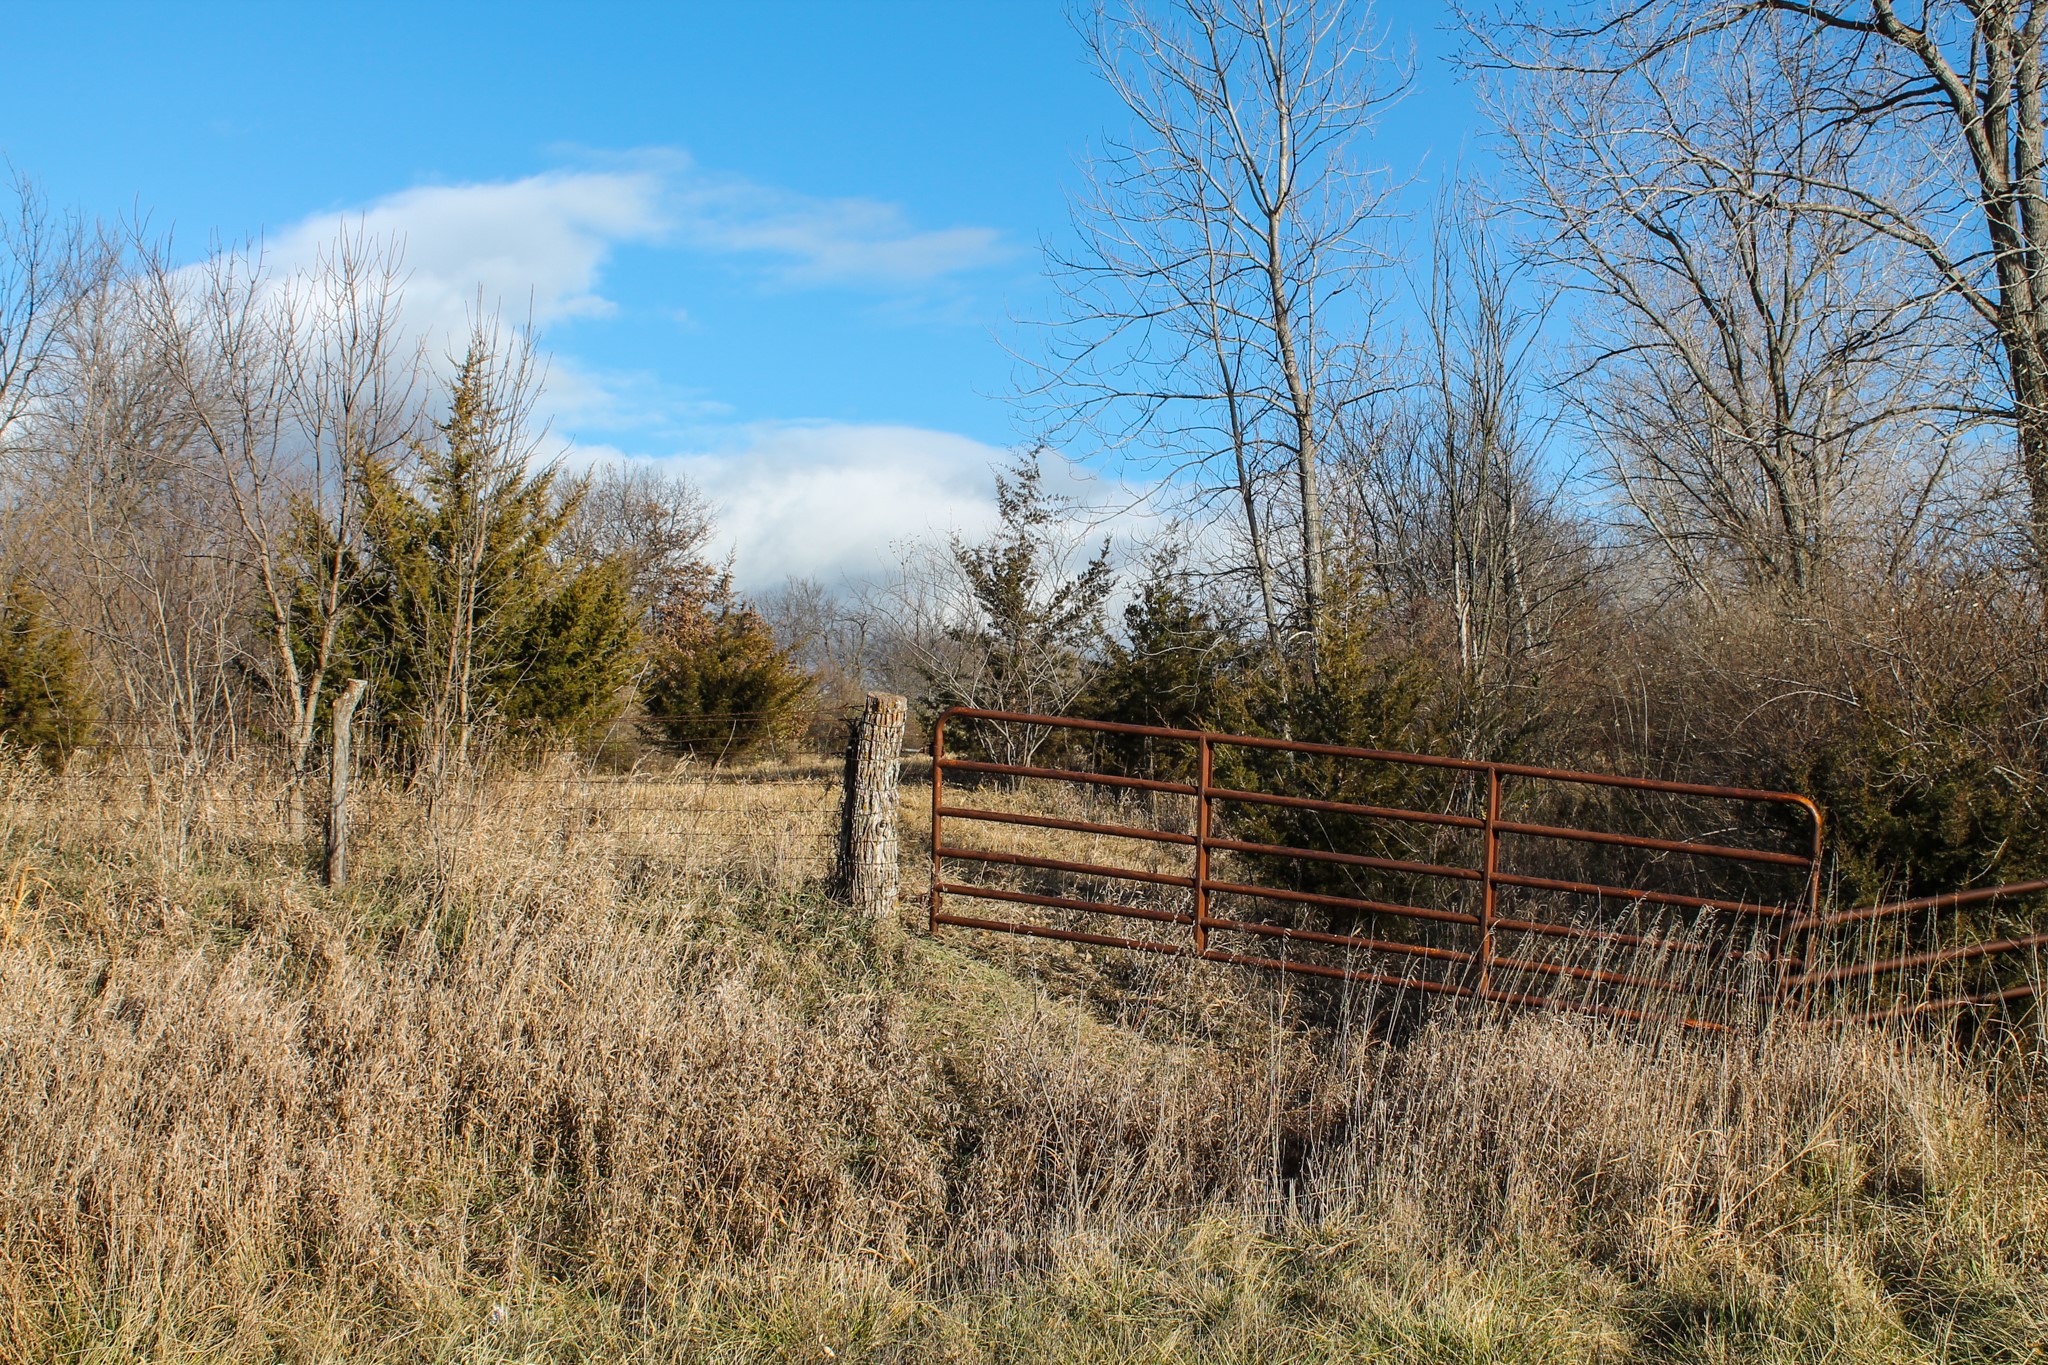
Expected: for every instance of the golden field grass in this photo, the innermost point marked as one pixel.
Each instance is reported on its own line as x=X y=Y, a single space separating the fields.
x=591 y=1070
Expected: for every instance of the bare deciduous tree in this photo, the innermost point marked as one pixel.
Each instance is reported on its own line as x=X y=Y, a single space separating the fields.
x=136 y=550
x=659 y=524
x=46 y=263
x=1216 y=307
x=1765 y=391
x=1954 y=90
x=1450 y=501
x=1932 y=116
x=288 y=385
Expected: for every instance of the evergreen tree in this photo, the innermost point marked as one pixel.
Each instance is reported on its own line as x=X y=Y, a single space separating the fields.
x=469 y=614
x=717 y=680
x=44 y=704
x=1028 y=631
x=1175 y=665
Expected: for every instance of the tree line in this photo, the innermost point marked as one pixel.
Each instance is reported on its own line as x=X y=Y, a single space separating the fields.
x=230 y=488
x=1699 y=436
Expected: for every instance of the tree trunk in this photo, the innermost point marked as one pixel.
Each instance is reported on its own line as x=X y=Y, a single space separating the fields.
x=337 y=783
x=864 y=873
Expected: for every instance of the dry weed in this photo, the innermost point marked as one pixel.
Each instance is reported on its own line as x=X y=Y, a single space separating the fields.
x=591 y=1069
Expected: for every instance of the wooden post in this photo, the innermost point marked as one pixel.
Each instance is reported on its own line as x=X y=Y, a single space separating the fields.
x=344 y=715
x=864 y=872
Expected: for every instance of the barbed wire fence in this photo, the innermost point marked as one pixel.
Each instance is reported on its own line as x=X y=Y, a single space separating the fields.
x=739 y=789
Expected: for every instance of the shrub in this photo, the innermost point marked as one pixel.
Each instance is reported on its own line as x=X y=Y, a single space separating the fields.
x=717 y=681
x=44 y=704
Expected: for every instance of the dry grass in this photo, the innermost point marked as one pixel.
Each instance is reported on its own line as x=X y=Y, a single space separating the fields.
x=592 y=1071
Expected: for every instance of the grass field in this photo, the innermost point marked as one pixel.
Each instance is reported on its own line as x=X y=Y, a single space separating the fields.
x=592 y=1071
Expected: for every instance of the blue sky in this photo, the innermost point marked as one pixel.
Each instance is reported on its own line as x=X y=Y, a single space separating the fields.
x=778 y=244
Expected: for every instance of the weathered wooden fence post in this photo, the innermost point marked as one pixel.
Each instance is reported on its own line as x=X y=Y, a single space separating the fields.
x=864 y=868
x=344 y=715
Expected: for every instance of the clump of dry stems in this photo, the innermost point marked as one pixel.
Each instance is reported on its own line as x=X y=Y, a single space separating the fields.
x=582 y=1069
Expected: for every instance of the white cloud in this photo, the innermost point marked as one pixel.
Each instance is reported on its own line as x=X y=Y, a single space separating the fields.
x=844 y=502
x=834 y=501
x=538 y=243
x=818 y=499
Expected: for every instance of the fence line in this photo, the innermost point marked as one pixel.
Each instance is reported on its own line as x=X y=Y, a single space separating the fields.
x=698 y=816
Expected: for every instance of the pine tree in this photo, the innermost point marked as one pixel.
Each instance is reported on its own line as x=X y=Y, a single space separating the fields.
x=717 y=680
x=44 y=704
x=470 y=616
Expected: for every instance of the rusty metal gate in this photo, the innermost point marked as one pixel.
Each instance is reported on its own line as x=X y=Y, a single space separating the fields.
x=1417 y=873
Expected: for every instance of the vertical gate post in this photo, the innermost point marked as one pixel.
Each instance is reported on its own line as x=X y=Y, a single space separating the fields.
x=864 y=870
x=1202 y=852
x=1796 y=941
x=1486 y=894
x=344 y=715
x=936 y=904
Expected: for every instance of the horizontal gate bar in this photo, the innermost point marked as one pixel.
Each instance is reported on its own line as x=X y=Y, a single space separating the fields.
x=1419 y=983
x=1350 y=859
x=1420 y=817
x=1127 y=874
x=1948 y=900
x=997 y=893
x=1935 y=958
x=1605 y=978
x=1946 y=1002
x=1142 y=945
x=1622 y=893
x=1386 y=756
x=1004 y=817
x=1373 y=945
x=968 y=765
x=1591 y=836
x=1343 y=902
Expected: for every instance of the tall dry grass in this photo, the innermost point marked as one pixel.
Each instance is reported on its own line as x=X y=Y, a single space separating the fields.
x=587 y=1071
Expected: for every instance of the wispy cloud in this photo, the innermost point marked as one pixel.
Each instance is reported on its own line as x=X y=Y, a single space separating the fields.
x=811 y=241
x=538 y=245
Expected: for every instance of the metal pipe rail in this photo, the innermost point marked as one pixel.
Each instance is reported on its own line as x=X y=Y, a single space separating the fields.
x=1481 y=970
x=1906 y=1002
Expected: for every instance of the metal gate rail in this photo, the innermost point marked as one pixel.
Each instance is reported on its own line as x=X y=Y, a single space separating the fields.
x=1484 y=971
x=1900 y=998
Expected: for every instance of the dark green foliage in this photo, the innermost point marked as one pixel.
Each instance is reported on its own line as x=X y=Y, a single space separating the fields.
x=44 y=703
x=1368 y=692
x=1174 y=666
x=1924 y=806
x=1930 y=768
x=585 y=645
x=467 y=616
x=717 y=681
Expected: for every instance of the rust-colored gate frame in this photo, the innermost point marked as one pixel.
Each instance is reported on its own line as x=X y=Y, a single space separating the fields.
x=1870 y=970
x=1789 y=923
